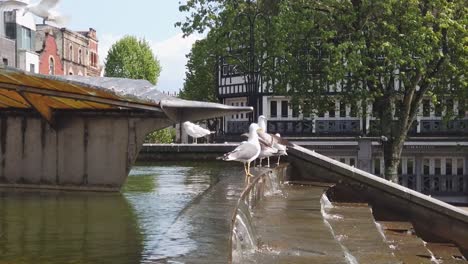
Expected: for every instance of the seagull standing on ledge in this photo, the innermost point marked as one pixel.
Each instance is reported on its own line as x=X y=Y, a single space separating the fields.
x=195 y=131
x=247 y=151
x=42 y=9
x=273 y=141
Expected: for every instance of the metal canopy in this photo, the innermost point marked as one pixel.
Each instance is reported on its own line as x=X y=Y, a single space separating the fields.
x=46 y=93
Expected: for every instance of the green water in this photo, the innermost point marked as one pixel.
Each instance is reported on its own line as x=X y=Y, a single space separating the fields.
x=128 y=227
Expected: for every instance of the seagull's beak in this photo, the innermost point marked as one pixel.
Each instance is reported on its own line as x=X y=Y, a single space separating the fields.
x=259 y=130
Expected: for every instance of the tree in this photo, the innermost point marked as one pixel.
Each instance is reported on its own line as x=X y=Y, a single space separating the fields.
x=162 y=136
x=200 y=77
x=132 y=58
x=357 y=50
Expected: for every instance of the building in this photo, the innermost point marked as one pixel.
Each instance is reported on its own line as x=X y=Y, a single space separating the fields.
x=434 y=159
x=77 y=51
x=17 y=38
x=50 y=61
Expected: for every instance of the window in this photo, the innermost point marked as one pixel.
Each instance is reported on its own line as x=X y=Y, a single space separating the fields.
x=51 y=66
x=352 y=162
x=10 y=30
x=284 y=108
x=426 y=108
x=342 y=109
x=410 y=167
x=448 y=166
x=32 y=68
x=273 y=109
x=70 y=54
x=353 y=111
x=426 y=166
x=5 y=61
x=437 y=169
x=79 y=57
x=375 y=108
x=331 y=111
x=26 y=41
x=459 y=166
x=438 y=109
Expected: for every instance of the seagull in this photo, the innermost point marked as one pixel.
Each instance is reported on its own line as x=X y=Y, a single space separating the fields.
x=195 y=131
x=247 y=151
x=274 y=141
x=42 y=9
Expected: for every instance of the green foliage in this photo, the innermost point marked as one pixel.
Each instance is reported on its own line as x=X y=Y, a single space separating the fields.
x=200 y=78
x=132 y=58
x=306 y=49
x=162 y=136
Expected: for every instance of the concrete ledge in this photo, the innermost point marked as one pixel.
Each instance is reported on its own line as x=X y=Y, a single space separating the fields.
x=180 y=152
x=433 y=219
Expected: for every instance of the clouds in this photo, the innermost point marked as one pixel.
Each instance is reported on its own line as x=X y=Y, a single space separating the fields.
x=170 y=52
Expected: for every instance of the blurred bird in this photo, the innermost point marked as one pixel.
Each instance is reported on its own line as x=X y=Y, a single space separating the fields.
x=247 y=151
x=42 y=9
x=195 y=131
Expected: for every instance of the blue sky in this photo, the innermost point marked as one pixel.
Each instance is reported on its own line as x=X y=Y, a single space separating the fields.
x=150 y=19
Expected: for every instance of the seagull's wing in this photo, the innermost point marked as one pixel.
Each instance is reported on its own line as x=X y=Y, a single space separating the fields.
x=201 y=131
x=12 y=4
x=244 y=151
x=48 y=4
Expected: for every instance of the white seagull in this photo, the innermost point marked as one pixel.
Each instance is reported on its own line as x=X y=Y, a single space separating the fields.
x=195 y=131
x=42 y=9
x=247 y=151
x=274 y=141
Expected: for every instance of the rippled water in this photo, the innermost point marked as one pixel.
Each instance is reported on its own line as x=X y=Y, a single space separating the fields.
x=151 y=220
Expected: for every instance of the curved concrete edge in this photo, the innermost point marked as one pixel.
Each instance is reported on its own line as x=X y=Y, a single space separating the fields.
x=433 y=220
x=360 y=176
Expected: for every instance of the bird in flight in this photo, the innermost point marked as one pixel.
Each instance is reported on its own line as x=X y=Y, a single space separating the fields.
x=42 y=9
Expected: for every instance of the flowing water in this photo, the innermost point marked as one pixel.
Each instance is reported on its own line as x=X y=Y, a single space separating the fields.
x=164 y=214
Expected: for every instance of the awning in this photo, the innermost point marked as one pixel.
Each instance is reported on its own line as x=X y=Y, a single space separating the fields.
x=47 y=93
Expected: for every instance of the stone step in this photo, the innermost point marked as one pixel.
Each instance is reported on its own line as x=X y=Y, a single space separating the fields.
x=354 y=225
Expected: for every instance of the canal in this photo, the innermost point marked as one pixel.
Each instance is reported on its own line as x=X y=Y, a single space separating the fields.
x=166 y=213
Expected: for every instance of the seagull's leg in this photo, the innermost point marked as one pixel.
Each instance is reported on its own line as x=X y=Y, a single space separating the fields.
x=278 y=160
x=44 y=20
x=268 y=159
x=246 y=173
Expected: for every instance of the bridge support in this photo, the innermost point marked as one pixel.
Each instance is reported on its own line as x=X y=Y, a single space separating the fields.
x=85 y=151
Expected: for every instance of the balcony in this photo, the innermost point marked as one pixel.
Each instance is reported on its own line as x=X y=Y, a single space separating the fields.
x=338 y=127
x=291 y=127
x=237 y=127
x=441 y=127
x=444 y=184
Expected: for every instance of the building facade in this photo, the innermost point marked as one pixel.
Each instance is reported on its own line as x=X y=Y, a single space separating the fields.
x=17 y=38
x=77 y=51
x=434 y=159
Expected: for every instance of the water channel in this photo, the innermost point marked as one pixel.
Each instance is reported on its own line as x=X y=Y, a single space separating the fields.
x=164 y=214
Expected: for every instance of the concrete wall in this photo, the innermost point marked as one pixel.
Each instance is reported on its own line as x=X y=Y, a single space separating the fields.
x=84 y=151
x=7 y=51
x=434 y=221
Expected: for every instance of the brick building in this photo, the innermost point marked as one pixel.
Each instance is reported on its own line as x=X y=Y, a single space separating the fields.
x=49 y=58
x=77 y=50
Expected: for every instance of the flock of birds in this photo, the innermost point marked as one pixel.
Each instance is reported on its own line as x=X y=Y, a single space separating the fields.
x=43 y=9
x=259 y=145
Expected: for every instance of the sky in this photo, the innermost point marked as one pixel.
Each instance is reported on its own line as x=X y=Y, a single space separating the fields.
x=150 y=19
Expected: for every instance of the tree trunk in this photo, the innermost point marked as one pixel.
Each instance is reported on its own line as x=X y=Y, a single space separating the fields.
x=392 y=154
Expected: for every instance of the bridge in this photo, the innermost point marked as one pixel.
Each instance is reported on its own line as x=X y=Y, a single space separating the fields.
x=82 y=133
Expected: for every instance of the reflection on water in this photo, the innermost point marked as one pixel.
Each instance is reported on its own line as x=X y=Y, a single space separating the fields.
x=39 y=227
x=128 y=227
